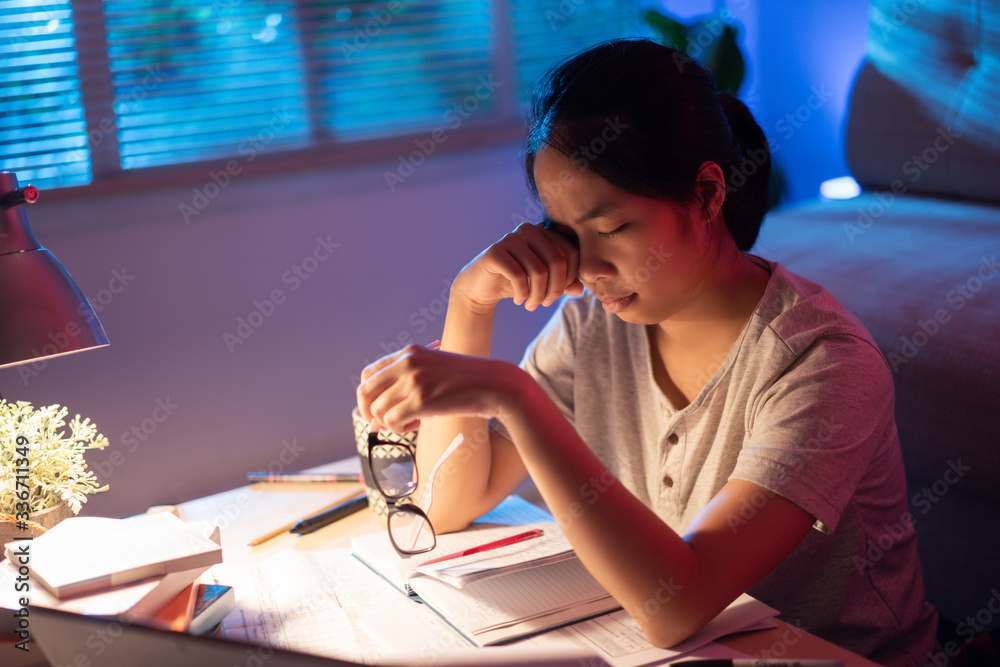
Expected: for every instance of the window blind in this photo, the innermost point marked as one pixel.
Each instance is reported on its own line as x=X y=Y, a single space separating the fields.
x=43 y=135
x=548 y=31
x=90 y=90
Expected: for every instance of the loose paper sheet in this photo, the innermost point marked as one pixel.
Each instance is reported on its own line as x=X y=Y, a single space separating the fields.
x=328 y=603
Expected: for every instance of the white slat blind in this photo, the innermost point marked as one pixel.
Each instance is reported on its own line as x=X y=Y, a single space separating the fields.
x=199 y=81
x=90 y=90
x=384 y=68
x=43 y=135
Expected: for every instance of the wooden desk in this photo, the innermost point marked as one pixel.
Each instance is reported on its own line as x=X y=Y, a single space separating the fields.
x=248 y=512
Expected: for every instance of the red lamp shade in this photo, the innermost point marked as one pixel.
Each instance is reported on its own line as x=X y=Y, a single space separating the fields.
x=42 y=311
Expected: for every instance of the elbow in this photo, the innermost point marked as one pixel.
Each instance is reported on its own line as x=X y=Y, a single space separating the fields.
x=668 y=628
x=450 y=524
x=668 y=635
x=450 y=519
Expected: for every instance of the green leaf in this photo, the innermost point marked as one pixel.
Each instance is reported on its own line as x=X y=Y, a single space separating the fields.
x=672 y=32
x=726 y=61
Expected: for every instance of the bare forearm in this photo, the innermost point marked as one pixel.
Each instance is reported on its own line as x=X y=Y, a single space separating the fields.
x=460 y=486
x=645 y=565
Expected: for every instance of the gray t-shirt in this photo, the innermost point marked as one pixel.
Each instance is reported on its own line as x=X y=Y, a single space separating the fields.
x=802 y=406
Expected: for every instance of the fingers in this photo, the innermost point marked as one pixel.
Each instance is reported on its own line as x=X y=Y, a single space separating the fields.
x=572 y=254
x=377 y=380
x=540 y=264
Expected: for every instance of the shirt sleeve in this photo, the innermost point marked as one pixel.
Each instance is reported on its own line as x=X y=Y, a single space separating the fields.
x=551 y=357
x=817 y=427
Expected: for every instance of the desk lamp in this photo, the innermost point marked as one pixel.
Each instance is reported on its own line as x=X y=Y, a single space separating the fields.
x=42 y=311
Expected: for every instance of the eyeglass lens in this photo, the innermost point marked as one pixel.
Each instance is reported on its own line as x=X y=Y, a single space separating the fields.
x=396 y=477
x=394 y=470
x=410 y=532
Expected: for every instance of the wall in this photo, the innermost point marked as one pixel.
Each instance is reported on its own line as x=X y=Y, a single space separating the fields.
x=801 y=60
x=187 y=409
x=804 y=56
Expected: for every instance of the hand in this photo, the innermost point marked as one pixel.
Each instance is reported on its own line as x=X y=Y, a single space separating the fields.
x=532 y=265
x=401 y=388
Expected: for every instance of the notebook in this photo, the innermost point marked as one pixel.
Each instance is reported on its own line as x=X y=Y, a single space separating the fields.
x=496 y=596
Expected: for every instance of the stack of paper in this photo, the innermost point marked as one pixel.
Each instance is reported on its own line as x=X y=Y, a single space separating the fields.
x=144 y=569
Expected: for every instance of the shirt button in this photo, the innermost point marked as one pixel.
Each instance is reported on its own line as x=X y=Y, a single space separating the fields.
x=668 y=481
x=672 y=438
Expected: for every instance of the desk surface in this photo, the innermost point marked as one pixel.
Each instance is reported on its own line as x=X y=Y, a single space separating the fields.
x=251 y=512
x=247 y=512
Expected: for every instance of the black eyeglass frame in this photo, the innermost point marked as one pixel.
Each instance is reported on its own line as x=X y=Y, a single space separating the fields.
x=391 y=500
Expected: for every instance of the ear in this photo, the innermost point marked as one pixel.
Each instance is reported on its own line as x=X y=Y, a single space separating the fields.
x=710 y=190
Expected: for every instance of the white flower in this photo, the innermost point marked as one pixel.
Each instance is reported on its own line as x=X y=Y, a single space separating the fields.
x=51 y=467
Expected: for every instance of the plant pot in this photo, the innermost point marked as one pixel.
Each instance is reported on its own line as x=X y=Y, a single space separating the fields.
x=39 y=523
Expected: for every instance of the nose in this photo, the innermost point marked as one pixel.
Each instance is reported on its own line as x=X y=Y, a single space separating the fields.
x=593 y=266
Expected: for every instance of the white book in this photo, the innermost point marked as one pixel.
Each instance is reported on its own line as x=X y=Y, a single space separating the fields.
x=136 y=602
x=83 y=555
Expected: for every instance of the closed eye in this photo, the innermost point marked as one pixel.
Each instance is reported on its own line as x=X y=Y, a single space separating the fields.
x=561 y=230
x=614 y=232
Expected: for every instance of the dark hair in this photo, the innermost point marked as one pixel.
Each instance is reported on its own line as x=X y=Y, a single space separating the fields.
x=644 y=117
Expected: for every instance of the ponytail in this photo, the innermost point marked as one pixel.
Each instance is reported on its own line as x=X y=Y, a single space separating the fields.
x=748 y=180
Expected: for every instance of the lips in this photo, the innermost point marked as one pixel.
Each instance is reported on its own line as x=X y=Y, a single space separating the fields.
x=615 y=304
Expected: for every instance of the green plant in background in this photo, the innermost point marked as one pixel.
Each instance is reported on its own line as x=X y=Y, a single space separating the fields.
x=712 y=41
x=49 y=464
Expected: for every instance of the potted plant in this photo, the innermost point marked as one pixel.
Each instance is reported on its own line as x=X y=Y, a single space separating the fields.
x=43 y=473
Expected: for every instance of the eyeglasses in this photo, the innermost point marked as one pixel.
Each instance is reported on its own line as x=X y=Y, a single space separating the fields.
x=394 y=472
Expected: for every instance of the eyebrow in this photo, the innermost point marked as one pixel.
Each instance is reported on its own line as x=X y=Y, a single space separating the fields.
x=598 y=211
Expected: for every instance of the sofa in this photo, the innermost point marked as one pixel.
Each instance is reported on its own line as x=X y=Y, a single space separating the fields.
x=915 y=257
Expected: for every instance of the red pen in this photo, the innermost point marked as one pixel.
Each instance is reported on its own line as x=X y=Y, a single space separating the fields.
x=513 y=539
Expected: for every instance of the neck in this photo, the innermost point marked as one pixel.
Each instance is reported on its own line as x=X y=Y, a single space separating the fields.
x=727 y=298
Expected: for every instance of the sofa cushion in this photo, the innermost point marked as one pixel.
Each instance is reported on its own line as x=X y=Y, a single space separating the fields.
x=923 y=112
x=923 y=276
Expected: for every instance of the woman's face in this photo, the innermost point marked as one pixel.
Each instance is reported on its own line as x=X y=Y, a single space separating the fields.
x=643 y=258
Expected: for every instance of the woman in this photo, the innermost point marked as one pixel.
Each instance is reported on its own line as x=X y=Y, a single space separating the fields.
x=701 y=421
